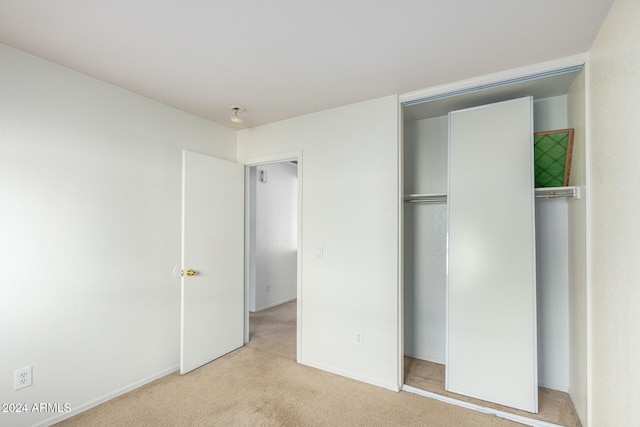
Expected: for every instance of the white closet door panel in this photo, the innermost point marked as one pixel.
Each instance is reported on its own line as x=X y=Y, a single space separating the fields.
x=491 y=317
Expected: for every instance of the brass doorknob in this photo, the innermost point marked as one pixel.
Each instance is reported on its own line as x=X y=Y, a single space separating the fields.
x=190 y=272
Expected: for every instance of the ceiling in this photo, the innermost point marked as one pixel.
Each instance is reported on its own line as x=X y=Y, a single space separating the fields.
x=284 y=58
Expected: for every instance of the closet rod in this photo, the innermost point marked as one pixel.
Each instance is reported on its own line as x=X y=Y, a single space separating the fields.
x=542 y=193
x=425 y=198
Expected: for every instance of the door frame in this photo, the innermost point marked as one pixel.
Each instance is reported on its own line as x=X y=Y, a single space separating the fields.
x=259 y=161
x=469 y=86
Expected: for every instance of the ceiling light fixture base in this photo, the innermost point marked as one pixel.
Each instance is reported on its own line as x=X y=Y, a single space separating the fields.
x=236 y=109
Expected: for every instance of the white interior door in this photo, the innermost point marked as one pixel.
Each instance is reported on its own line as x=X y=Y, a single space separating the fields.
x=491 y=284
x=212 y=309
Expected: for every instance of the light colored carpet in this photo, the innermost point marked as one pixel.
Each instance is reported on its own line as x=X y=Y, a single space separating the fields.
x=274 y=330
x=260 y=384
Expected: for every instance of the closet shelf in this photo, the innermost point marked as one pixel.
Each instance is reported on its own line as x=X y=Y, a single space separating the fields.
x=570 y=193
x=425 y=198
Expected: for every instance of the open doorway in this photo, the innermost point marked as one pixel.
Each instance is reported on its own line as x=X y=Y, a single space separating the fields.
x=272 y=256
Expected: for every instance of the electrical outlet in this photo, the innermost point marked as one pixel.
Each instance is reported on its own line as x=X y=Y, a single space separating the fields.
x=22 y=377
x=359 y=338
x=268 y=288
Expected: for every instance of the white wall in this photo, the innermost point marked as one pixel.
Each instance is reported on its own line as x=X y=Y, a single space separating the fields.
x=425 y=163
x=577 y=249
x=552 y=265
x=90 y=230
x=350 y=207
x=275 y=235
x=615 y=228
x=552 y=283
x=426 y=151
x=550 y=113
x=89 y=219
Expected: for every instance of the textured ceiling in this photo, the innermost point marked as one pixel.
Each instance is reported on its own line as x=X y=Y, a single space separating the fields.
x=285 y=58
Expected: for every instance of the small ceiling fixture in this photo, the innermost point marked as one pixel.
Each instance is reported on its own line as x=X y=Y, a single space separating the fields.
x=236 y=109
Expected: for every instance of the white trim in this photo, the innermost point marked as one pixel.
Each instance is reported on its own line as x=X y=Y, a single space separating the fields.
x=532 y=177
x=498 y=77
x=247 y=250
x=587 y=196
x=400 y=260
x=274 y=158
x=95 y=402
x=263 y=160
x=478 y=408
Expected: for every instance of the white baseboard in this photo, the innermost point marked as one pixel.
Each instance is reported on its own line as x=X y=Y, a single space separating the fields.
x=349 y=374
x=552 y=386
x=426 y=357
x=106 y=397
x=275 y=304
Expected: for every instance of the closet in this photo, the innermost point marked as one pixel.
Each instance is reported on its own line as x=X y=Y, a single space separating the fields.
x=501 y=347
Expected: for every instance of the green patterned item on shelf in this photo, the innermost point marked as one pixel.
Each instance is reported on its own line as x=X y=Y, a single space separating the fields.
x=552 y=157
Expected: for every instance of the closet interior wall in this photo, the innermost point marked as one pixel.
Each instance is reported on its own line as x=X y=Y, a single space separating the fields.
x=425 y=225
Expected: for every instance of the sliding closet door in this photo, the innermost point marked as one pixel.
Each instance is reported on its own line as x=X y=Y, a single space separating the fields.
x=491 y=306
